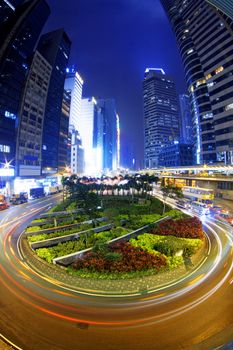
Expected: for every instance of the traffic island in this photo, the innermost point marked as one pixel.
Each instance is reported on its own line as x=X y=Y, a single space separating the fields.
x=119 y=261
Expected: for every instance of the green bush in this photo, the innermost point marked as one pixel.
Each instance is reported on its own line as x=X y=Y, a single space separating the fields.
x=174 y=261
x=106 y=236
x=39 y=220
x=176 y=214
x=167 y=245
x=33 y=229
x=72 y=206
x=43 y=237
x=59 y=250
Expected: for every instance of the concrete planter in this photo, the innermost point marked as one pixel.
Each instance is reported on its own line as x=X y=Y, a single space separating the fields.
x=62 y=239
x=69 y=259
x=63 y=228
x=58 y=213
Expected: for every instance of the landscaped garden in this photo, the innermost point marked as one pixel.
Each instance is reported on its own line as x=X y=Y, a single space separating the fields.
x=114 y=237
x=160 y=249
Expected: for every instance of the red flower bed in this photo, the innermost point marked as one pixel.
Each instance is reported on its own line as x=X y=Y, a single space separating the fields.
x=183 y=228
x=131 y=259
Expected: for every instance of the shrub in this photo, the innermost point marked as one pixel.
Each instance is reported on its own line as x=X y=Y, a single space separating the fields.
x=174 y=261
x=183 y=228
x=132 y=259
x=106 y=236
x=72 y=206
x=176 y=214
x=43 y=237
x=33 y=229
x=60 y=250
x=167 y=245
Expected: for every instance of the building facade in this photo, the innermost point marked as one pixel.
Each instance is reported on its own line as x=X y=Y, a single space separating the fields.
x=77 y=154
x=74 y=84
x=55 y=48
x=161 y=114
x=20 y=27
x=32 y=115
x=88 y=130
x=205 y=40
x=107 y=140
x=8 y=8
x=176 y=154
x=186 y=131
x=63 y=155
x=226 y=6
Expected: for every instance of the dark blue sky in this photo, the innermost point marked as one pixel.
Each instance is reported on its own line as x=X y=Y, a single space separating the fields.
x=113 y=41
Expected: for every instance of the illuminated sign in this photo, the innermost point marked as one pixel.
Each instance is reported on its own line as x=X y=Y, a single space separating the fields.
x=7 y=172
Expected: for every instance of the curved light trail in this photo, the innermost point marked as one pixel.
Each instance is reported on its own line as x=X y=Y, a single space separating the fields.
x=57 y=309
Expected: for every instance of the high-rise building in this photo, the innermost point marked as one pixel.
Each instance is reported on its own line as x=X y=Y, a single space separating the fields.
x=55 y=48
x=186 y=124
x=226 y=6
x=63 y=156
x=88 y=126
x=74 y=84
x=77 y=154
x=32 y=115
x=205 y=40
x=8 y=8
x=161 y=114
x=107 y=135
x=176 y=154
x=20 y=25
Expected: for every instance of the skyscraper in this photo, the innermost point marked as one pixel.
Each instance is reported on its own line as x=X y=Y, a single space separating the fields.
x=161 y=114
x=226 y=6
x=107 y=137
x=32 y=118
x=20 y=25
x=63 y=156
x=7 y=9
x=77 y=154
x=88 y=131
x=74 y=84
x=205 y=40
x=186 y=124
x=55 y=48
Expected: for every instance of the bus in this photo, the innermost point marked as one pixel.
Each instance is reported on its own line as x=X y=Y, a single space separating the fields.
x=198 y=194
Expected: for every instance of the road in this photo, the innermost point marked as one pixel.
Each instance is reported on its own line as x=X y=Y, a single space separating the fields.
x=37 y=314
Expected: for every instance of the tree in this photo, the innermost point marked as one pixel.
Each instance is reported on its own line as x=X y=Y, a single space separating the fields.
x=166 y=190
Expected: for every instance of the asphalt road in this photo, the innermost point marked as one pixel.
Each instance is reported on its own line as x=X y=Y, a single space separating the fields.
x=36 y=314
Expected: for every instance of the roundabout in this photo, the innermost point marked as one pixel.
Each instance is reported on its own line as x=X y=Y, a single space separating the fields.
x=39 y=308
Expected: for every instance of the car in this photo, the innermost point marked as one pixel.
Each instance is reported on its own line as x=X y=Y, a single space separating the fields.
x=225 y=216
x=4 y=206
x=216 y=209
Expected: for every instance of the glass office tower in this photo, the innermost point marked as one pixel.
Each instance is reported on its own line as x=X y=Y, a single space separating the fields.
x=186 y=132
x=107 y=137
x=20 y=27
x=226 y=6
x=55 y=48
x=205 y=40
x=74 y=84
x=161 y=114
x=32 y=115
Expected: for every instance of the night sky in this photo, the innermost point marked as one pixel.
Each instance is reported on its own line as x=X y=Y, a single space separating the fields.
x=113 y=41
